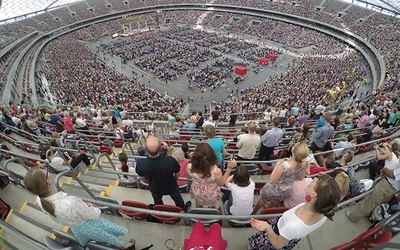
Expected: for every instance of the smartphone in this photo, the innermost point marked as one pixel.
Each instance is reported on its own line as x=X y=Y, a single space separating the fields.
x=67 y=155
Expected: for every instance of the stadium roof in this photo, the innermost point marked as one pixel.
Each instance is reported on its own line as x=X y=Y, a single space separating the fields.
x=19 y=9
x=24 y=8
x=378 y=5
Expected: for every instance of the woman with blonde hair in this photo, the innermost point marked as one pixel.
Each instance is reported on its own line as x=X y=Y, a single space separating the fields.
x=207 y=177
x=285 y=172
x=84 y=220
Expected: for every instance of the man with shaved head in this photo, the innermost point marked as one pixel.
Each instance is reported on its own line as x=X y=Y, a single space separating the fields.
x=161 y=173
x=248 y=143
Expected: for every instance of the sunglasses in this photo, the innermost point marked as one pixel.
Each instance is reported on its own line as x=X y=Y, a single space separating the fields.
x=47 y=173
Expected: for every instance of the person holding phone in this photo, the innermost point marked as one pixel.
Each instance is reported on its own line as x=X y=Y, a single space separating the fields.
x=387 y=153
x=58 y=163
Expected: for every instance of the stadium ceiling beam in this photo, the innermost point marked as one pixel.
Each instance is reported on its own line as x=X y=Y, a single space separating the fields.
x=395 y=10
x=388 y=3
x=49 y=6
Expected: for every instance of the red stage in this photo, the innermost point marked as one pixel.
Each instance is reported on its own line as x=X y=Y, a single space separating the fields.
x=263 y=61
x=272 y=57
x=240 y=70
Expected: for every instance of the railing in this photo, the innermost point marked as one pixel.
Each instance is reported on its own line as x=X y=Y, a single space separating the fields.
x=27 y=241
x=113 y=206
x=198 y=216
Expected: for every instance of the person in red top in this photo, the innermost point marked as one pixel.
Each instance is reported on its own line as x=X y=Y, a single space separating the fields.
x=68 y=124
x=13 y=107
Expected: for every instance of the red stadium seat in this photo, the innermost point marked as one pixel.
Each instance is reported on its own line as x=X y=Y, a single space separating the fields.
x=366 y=240
x=136 y=215
x=118 y=143
x=105 y=149
x=168 y=219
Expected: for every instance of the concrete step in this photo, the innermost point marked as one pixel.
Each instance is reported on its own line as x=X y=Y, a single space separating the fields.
x=28 y=226
x=98 y=173
x=33 y=211
x=77 y=190
x=97 y=180
x=12 y=242
x=16 y=196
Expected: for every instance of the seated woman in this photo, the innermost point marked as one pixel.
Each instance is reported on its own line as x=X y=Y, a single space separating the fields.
x=207 y=177
x=386 y=153
x=84 y=220
x=285 y=172
x=58 y=163
x=322 y=196
x=296 y=195
x=240 y=196
x=125 y=166
x=178 y=154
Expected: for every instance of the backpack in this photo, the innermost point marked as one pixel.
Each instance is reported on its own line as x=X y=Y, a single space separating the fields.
x=379 y=213
x=355 y=185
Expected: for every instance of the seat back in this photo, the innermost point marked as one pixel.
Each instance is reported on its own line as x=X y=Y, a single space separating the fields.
x=366 y=240
x=383 y=238
x=209 y=211
x=274 y=210
x=235 y=223
x=168 y=208
x=367 y=237
x=251 y=168
x=136 y=215
x=54 y=245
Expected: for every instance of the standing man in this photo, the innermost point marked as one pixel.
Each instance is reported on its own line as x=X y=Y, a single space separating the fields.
x=161 y=172
x=248 y=143
x=322 y=135
x=215 y=115
x=269 y=140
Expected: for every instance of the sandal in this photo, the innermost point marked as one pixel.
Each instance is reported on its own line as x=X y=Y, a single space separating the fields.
x=130 y=245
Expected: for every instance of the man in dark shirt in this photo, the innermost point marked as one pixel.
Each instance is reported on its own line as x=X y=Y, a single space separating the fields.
x=161 y=173
x=232 y=119
x=215 y=115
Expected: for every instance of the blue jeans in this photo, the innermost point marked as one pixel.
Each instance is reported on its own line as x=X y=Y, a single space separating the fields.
x=176 y=196
x=228 y=197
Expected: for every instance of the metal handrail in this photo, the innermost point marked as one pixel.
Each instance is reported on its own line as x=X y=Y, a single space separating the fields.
x=32 y=244
x=203 y=216
x=15 y=178
x=73 y=175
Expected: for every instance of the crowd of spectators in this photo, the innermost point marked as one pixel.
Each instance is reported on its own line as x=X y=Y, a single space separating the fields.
x=76 y=77
x=376 y=28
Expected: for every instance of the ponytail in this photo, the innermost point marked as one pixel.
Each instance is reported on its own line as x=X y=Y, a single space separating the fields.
x=125 y=168
x=48 y=206
x=303 y=165
x=328 y=212
x=328 y=196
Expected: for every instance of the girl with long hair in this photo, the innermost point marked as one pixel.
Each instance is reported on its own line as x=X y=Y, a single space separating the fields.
x=84 y=220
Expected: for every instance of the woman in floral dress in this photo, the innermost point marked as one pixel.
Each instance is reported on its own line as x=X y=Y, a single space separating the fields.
x=285 y=172
x=207 y=177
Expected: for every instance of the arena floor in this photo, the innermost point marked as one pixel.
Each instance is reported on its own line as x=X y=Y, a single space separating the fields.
x=179 y=88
